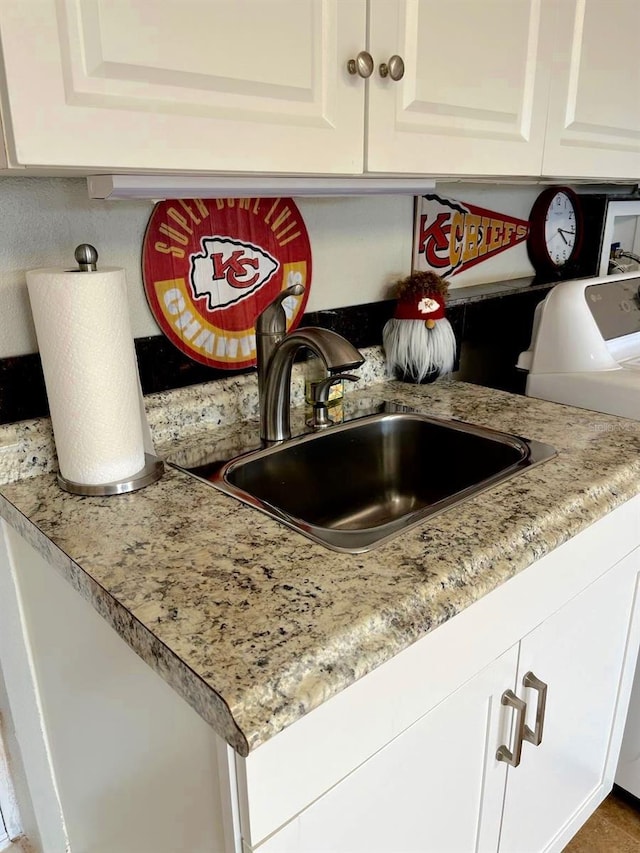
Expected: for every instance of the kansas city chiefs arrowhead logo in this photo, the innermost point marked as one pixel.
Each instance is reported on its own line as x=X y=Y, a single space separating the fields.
x=227 y=271
x=211 y=266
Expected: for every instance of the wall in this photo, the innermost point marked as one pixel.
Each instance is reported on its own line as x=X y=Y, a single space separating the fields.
x=360 y=245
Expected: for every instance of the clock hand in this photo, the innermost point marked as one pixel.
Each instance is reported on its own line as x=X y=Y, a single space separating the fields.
x=564 y=231
x=561 y=233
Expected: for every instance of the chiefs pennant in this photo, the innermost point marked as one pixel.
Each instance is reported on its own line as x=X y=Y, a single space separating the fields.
x=451 y=236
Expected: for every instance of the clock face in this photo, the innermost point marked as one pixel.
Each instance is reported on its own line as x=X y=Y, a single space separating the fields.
x=555 y=236
x=560 y=232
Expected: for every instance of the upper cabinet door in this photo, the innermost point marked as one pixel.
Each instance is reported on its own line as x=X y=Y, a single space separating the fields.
x=594 y=111
x=473 y=98
x=185 y=85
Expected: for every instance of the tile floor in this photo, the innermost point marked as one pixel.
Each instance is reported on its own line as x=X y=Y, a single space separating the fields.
x=613 y=828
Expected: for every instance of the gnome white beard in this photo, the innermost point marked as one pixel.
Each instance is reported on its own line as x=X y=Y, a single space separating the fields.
x=418 y=351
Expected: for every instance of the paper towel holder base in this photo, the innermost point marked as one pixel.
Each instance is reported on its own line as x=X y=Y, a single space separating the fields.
x=152 y=471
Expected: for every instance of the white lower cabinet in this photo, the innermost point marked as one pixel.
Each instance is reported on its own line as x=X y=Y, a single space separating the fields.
x=426 y=790
x=580 y=652
x=439 y=785
x=403 y=760
x=114 y=760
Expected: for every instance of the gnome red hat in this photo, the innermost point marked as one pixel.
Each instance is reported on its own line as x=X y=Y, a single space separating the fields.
x=414 y=306
x=419 y=341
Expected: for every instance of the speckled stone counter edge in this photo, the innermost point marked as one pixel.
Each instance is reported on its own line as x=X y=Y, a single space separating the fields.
x=208 y=704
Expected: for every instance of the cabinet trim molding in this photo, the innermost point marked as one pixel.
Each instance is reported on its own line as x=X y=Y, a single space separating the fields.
x=240 y=186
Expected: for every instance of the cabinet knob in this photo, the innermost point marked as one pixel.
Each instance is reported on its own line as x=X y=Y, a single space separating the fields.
x=361 y=65
x=394 y=68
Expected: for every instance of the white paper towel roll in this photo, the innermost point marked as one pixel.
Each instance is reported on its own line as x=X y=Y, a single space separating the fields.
x=90 y=370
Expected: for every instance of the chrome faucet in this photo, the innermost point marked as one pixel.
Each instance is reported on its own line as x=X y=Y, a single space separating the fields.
x=275 y=353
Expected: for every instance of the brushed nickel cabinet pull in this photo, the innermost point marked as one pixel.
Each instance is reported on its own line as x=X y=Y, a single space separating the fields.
x=394 y=68
x=510 y=699
x=535 y=736
x=361 y=65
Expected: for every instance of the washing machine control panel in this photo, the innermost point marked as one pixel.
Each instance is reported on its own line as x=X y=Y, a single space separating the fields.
x=615 y=306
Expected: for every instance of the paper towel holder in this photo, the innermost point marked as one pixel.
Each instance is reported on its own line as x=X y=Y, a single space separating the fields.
x=86 y=256
x=152 y=471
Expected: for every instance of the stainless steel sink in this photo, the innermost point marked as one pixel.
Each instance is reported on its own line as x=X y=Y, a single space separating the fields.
x=358 y=484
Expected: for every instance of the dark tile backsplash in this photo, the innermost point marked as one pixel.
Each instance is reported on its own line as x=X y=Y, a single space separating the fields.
x=22 y=391
x=491 y=333
x=162 y=366
x=494 y=333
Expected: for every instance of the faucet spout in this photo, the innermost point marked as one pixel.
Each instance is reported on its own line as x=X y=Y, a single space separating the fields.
x=271 y=327
x=275 y=401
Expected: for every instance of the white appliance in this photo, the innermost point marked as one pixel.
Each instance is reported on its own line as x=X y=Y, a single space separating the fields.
x=585 y=345
x=585 y=352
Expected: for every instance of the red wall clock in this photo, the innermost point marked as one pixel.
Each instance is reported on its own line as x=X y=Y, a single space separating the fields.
x=555 y=232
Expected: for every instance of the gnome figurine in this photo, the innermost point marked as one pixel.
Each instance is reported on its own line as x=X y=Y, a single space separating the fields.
x=418 y=340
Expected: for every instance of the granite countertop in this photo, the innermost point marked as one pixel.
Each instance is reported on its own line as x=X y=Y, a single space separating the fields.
x=255 y=625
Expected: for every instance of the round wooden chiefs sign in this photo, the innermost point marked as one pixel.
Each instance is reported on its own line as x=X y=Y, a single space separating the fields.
x=211 y=266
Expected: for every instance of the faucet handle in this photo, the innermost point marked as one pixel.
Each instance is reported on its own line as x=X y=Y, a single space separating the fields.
x=272 y=320
x=321 y=389
x=320 y=417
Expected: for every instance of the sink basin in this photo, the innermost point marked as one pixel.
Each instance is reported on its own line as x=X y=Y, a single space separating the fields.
x=356 y=485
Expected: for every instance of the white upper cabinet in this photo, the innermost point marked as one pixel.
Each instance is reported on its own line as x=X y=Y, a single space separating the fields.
x=184 y=85
x=594 y=110
x=487 y=87
x=473 y=97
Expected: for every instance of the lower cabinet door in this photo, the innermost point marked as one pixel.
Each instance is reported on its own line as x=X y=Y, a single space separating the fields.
x=436 y=787
x=584 y=653
x=628 y=770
